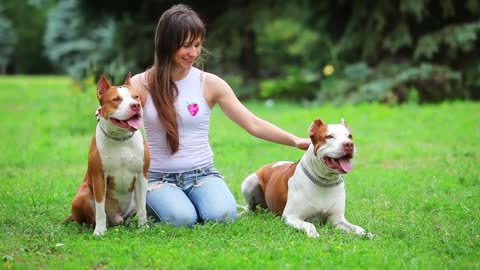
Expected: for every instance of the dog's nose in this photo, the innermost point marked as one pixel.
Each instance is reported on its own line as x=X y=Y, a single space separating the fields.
x=348 y=147
x=135 y=106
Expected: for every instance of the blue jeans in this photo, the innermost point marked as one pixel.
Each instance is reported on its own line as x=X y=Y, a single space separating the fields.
x=183 y=199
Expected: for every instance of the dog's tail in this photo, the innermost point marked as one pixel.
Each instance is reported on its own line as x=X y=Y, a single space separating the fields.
x=66 y=220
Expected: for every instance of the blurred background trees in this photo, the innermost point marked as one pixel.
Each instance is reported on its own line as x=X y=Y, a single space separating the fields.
x=315 y=51
x=22 y=50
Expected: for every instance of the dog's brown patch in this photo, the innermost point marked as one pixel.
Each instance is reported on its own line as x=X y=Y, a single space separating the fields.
x=274 y=182
x=82 y=212
x=318 y=134
x=94 y=176
x=146 y=159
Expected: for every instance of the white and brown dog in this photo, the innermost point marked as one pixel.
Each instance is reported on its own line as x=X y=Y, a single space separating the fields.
x=115 y=184
x=310 y=189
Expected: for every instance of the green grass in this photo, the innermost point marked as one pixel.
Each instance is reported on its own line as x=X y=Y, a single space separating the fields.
x=415 y=184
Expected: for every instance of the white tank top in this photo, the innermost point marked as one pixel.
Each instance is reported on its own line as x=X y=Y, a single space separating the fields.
x=193 y=117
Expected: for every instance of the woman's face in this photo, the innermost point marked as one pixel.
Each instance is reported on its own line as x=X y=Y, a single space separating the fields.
x=186 y=56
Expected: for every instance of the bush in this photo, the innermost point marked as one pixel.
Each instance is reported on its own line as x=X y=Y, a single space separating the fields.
x=380 y=49
x=392 y=83
x=297 y=84
x=80 y=48
x=7 y=42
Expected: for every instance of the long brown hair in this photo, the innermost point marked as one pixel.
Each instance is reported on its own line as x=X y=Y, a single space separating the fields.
x=174 y=27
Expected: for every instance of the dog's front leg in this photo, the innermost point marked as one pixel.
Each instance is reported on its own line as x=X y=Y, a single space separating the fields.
x=140 y=194
x=99 y=192
x=341 y=223
x=299 y=224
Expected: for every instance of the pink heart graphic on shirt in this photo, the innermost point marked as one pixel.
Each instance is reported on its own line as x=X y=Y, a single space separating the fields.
x=192 y=109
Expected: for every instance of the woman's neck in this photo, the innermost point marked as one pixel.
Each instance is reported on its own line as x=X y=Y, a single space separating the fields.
x=179 y=73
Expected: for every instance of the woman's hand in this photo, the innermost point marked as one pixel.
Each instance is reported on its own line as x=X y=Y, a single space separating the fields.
x=303 y=143
x=97 y=112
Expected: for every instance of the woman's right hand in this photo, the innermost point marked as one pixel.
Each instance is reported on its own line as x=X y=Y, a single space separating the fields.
x=303 y=143
x=97 y=112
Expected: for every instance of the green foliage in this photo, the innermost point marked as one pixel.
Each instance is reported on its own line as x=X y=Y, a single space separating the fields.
x=436 y=56
x=457 y=39
x=7 y=42
x=28 y=18
x=79 y=47
x=408 y=171
x=290 y=52
x=258 y=40
x=401 y=51
x=399 y=38
x=285 y=40
x=413 y=97
x=392 y=83
x=296 y=84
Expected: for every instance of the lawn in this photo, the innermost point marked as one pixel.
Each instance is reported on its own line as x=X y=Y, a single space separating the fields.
x=415 y=184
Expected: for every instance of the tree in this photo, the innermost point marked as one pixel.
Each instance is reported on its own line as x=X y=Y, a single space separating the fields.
x=325 y=50
x=28 y=21
x=7 y=42
x=78 y=46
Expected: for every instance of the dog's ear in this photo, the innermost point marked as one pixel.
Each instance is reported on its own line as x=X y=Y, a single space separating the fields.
x=314 y=126
x=127 y=79
x=102 y=86
x=343 y=122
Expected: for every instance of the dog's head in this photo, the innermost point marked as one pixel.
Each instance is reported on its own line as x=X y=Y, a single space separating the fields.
x=120 y=104
x=333 y=145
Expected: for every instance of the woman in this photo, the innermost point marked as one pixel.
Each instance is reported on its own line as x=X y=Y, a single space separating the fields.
x=184 y=187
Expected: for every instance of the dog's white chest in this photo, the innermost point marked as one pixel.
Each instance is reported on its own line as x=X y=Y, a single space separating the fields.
x=121 y=159
x=313 y=201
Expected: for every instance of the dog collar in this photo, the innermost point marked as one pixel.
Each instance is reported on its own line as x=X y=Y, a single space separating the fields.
x=114 y=138
x=322 y=182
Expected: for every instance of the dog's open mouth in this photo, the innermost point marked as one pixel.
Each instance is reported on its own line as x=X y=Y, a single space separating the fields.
x=341 y=165
x=133 y=123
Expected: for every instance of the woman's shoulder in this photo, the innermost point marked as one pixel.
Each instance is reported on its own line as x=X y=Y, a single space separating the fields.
x=139 y=82
x=216 y=88
x=213 y=81
x=139 y=79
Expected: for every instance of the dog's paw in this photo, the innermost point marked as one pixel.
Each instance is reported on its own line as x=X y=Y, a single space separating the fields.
x=368 y=235
x=144 y=227
x=142 y=223
x=116 y=220
x=356 y=230
x=310 y=230
x=99 y=231
x=360 y=231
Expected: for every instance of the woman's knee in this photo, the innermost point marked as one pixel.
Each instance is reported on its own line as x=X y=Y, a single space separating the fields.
x=173 y=216
x=214 y=201
x=169 y=204
x=219 y=214
x=181 y=219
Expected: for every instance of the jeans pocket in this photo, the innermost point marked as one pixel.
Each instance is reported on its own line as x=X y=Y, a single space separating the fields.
x=155 y=184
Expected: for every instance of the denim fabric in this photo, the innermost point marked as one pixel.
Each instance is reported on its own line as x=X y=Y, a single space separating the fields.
x=183 y=199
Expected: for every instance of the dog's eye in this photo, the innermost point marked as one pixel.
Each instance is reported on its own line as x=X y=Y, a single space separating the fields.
x=350 y=136
x=117 y=99
x=329 y=137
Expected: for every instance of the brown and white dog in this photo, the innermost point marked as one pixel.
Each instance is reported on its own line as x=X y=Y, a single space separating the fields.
x=115 y=184
x=310 y=189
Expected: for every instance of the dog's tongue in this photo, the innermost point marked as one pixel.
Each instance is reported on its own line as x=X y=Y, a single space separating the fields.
x=345 y=164
x=135 y=122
